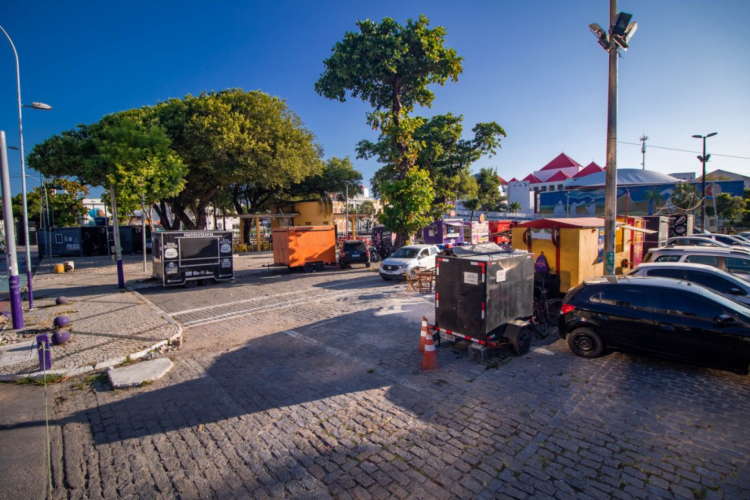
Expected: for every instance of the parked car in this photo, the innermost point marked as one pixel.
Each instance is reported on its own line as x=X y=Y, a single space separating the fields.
x=406 y=259
x=694 y=241
x=710 y=277
x=354 y=252
x=724 y=238
x=656 y=316
x=726 y=259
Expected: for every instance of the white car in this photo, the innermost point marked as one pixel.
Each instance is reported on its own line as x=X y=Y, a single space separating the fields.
x=700 y=274
x=405 y=259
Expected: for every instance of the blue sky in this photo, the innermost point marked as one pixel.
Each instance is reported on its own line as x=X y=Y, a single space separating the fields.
x=532 y=66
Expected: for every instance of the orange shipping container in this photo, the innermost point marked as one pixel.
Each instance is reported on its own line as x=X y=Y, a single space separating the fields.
x=308 y=246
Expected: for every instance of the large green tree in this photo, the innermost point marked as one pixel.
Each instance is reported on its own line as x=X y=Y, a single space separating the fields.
x=444 y=153
x=488 y=194
x=123 y=151
x=390 y=66
x=248 y=144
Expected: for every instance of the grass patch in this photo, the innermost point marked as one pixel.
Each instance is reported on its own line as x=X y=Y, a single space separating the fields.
x=128 y=361
x=88 y=382
x=52 y=378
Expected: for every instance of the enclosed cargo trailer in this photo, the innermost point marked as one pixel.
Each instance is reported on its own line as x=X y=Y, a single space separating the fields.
x=307 y=247
x=485 y=295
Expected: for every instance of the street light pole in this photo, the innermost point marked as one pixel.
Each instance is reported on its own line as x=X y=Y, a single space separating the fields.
x=14 y=286
x=618 y=36
x=704 y=159
x=346 y=212
x=23 y=170
x=610 y=185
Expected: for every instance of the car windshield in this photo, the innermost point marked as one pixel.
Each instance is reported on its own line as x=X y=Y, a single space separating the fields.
x=406 y=253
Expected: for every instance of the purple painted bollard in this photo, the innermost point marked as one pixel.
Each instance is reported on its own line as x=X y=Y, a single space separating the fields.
x=45 y=354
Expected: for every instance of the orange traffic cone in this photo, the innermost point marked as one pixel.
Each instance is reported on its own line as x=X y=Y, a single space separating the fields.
x=423 y=335
x=429 y=362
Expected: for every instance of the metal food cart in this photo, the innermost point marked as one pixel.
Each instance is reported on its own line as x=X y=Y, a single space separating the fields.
x=192 y=257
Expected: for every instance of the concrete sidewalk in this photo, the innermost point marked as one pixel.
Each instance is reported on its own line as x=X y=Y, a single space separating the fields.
x=108 y=324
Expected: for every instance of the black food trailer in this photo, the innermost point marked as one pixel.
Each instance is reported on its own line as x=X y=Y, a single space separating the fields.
x=485 y=295
x=189 y=257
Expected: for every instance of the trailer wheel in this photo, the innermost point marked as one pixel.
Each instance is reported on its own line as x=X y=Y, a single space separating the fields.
x=190 y=283
x=309 y=267
x=522 y=343
x=319 y=266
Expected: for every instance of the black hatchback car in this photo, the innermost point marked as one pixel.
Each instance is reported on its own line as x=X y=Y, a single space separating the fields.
x=354 y=252
x=657 y=316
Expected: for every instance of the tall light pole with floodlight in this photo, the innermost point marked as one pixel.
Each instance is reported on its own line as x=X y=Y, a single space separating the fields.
x=704 y=159
x=34 y=105
x=618 y=37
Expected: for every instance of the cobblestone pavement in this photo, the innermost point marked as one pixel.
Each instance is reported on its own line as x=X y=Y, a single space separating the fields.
x=308 y=386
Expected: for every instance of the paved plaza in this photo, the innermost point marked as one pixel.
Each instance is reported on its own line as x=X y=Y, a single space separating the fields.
x=292 y=385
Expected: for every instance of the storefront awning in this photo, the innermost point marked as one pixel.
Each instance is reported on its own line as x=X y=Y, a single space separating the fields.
x=639 y=229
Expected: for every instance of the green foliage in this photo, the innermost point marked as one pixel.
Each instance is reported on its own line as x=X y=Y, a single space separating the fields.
x=389 y=65
x=65 y=203
x=488 y=196
x=685 y=196
x=232 y=149
x=443 y=153
x=141 y=162
x=730 y=207
x=336 y=173
x=366 y=208
x=407 y=202
x=248 y=144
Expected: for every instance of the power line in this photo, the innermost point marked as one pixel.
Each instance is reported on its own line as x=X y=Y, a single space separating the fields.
x=685 y=150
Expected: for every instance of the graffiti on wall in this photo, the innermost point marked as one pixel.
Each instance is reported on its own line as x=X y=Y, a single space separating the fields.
x=635 y=200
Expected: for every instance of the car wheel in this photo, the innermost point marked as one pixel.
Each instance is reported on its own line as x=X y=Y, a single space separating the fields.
x=586 y=343
x=522 y=343
x=412 y=273
x=386 y=278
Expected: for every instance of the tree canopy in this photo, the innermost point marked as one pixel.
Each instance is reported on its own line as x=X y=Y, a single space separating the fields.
x=390 y=66
x=234 y=149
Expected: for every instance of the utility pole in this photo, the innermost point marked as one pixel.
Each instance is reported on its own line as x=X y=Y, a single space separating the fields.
x=643 y=140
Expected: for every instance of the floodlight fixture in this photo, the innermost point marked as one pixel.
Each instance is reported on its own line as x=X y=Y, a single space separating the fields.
x=623 y=30
x=621 y=24
x=601 y=35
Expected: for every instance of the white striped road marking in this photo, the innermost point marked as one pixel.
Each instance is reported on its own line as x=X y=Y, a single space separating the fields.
x=268 y=307
x=265 y=297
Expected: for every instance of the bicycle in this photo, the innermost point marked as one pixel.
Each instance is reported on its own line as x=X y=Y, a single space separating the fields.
x=545 y=314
